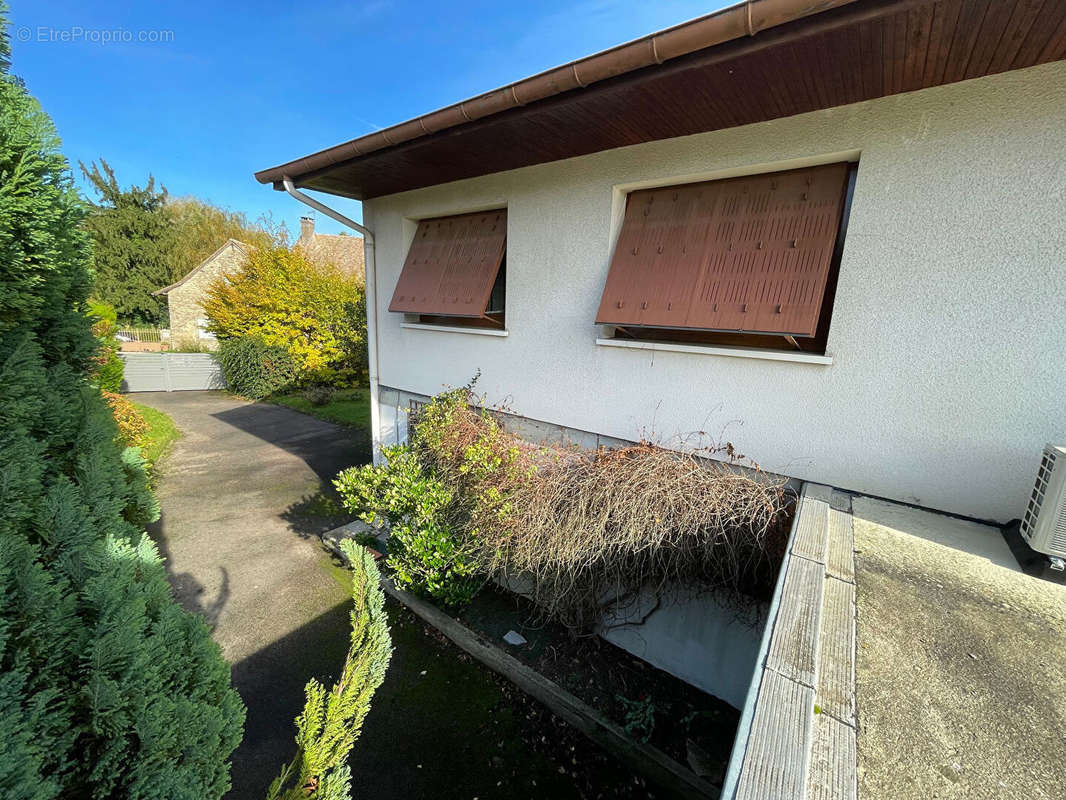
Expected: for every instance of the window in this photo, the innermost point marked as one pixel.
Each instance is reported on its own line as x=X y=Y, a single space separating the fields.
x=748 y=261
x=455 y=272
x=201 y=329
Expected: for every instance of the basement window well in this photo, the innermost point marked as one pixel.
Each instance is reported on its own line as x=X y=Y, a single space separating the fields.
x=746 y=263
x=455 y=273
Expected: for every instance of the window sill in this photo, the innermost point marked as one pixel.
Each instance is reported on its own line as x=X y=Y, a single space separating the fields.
x=422 y=326
x=712 y=350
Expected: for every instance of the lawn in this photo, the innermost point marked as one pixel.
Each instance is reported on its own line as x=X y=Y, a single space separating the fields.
x=349 y=407
x=162 y=433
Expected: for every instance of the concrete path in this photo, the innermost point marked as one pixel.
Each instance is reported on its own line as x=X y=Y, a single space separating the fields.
x=961 y=691
x=242 y=504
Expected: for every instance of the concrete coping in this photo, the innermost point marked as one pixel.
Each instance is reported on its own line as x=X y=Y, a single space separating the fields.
x=797 y=737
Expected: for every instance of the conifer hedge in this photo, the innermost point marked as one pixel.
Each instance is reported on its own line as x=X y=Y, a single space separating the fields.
x=108 y=689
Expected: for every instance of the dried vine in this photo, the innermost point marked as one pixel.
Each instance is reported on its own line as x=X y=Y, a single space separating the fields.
x=595 y=532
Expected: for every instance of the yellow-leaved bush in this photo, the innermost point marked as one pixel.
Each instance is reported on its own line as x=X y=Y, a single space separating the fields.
x=316 y=312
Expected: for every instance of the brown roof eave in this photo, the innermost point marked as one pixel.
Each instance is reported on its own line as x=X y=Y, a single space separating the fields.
x=745 y=19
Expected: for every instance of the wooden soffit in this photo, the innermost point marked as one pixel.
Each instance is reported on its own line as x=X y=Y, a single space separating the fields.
x=858 y=51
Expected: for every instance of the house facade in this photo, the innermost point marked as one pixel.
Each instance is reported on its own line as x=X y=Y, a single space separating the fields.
x=851 y=270
x=188 y=320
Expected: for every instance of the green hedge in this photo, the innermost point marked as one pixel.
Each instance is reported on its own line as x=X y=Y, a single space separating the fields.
x=108 y=689
x=255 y=369
x=428 y=553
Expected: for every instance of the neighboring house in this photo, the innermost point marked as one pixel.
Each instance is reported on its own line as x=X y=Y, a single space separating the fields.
x=832 y=237
x=340 y=250
x=188 y=322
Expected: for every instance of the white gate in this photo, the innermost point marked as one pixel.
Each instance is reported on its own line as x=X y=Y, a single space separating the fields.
x=171 y=372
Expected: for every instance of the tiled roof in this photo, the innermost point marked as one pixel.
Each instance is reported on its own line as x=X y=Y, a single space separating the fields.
x=341 y=250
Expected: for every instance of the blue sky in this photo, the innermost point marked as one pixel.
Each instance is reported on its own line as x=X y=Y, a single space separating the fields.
x=242 y=86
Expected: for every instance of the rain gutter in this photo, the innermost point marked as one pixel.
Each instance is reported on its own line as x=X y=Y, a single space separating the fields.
x=742 y=20
x=371 y=302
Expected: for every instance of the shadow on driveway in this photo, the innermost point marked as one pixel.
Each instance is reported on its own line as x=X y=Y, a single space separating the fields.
x=236 y=486
x=245 y=477
x=324 y=447
x=319 y=511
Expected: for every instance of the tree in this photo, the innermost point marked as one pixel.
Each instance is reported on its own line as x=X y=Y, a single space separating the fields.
x=331 y=721
x=108 y=689
x=145 y=240
x=316 y=312
x=201 y=228
x=134 y=235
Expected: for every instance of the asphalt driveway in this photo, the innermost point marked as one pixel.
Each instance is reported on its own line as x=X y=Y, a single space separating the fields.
x=243 y=502
x=242 y=497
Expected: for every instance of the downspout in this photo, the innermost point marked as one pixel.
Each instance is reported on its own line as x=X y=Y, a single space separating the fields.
x=371 y=303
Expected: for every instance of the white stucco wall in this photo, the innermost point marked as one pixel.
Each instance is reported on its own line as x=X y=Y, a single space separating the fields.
x=949 y=330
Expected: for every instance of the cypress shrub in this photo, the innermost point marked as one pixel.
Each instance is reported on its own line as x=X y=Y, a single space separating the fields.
x=332 y=720
x=108 y=689
x=253 y=368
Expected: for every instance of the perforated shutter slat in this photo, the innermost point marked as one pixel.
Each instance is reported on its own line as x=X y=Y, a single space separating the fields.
x=452 y=264
x=742 y=254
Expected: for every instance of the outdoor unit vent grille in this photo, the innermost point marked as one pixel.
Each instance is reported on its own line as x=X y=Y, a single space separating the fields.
x=1044 y=523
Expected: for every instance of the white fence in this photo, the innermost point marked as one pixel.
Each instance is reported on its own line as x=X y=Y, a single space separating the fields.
x=143 y=334
x=171 y=372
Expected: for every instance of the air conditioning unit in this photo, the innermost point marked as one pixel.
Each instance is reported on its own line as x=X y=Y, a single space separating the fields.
x=1044 y=523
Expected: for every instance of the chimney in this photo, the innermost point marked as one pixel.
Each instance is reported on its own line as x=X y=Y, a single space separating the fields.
x=307 y=228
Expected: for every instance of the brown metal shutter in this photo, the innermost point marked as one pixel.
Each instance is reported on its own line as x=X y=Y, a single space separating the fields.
x=452 y=264
x=745 y=254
